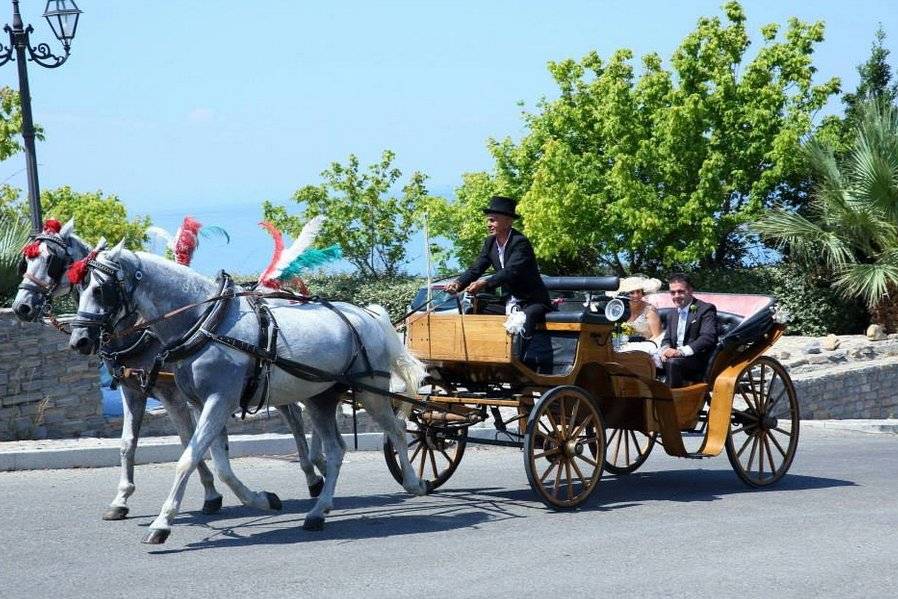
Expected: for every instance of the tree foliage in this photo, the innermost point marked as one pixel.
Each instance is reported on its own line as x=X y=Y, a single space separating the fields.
x=634 y=172
x=851 y=226
x=96 y=215
x=364 y=216
x=875 y=82
x=10 y=122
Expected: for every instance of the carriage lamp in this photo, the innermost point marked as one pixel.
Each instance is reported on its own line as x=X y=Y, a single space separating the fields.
x=62 y=15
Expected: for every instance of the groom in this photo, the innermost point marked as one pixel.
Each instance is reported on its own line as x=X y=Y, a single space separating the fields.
x=690 y=335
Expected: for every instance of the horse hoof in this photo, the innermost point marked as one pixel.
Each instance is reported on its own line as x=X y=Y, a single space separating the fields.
x=156 y=536
x=313 y=523
x=115 y=512
x=274 y=502
x=315 y=490
x=212 y=506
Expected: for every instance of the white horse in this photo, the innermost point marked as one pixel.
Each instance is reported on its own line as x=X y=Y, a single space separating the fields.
x=44 y=278
x=310 y=334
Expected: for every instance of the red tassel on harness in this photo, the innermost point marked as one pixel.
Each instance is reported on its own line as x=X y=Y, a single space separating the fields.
x=78 y=271
x=32 y=250
x=51 y=225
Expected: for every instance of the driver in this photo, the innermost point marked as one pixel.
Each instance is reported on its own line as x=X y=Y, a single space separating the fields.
x=510 y=254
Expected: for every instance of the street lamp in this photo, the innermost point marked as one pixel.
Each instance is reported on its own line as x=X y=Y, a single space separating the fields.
x=62 y=15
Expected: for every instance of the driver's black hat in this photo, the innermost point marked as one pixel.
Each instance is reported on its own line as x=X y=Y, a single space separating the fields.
x=502 y=205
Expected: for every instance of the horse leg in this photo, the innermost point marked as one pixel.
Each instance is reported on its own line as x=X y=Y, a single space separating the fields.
x=216 y=411
x=178 y=409
x=380 y=408
x=133 y=406
x=293 y=415
x=324 y=420
x=221 y=460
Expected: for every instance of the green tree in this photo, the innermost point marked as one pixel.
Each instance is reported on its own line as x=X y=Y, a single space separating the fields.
x=13 y=236
x=850 y=229
x=875 y=82
x=627 y=172
x=96 y=215
x=364 y=216
x=10 y=123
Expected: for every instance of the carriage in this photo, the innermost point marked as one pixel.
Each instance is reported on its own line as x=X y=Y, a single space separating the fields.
x=578 y=406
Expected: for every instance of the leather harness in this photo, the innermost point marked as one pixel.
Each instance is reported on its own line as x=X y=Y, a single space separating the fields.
x=264 y=353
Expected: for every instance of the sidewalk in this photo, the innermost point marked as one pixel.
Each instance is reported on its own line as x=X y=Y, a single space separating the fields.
x=99 y=453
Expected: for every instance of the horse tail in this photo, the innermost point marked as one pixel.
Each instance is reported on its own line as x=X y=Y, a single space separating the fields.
x=407 y=371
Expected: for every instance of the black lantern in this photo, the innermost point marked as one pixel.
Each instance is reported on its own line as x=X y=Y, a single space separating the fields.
x=62 y=15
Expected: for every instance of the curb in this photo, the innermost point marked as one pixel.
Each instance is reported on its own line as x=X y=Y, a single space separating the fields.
x=102 y=453
x=889 y=426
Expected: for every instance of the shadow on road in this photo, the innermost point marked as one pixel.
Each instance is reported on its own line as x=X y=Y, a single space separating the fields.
x=388 y=515
x=686 y=485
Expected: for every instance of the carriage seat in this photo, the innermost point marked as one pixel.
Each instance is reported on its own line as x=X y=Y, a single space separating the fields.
x=726 y=321
x=733 y=331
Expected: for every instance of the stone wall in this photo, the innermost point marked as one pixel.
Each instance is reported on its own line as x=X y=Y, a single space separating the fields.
x=46 y=390
x=866 y=390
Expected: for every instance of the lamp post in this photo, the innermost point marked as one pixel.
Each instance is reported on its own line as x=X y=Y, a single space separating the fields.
x=63 y=18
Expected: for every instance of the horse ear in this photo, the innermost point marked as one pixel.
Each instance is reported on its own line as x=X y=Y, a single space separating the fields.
x=113 y=254
x=67 y=229
x=101 y=245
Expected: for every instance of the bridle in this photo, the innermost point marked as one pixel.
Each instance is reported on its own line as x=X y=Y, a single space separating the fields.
x=56 y=267
x=113 y=294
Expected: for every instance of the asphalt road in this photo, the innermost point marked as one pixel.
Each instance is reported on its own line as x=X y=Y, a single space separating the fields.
x=677 y=528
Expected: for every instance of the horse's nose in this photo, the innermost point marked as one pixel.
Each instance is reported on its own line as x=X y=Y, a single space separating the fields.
x=23 y=310
x=83 y=345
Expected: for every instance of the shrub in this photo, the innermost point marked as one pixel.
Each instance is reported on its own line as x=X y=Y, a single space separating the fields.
x=815 y=307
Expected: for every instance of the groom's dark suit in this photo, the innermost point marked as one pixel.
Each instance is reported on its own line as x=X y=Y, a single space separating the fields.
x=519 y=277
x=700 y=336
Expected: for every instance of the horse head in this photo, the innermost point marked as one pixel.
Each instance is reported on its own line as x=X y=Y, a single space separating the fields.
x=107 y=281
x=45 y=259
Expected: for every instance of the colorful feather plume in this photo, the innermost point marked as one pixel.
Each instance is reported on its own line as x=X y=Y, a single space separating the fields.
x=187 y=238
x=308 y=259
x=278 y=250
x=285 y=267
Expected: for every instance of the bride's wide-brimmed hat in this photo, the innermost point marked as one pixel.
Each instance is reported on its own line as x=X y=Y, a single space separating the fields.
x=638 y=282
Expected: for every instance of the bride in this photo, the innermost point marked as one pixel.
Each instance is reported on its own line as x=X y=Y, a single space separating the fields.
x=644 y=319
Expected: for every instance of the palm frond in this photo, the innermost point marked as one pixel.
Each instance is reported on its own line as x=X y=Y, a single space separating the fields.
x=868 y=282
x=807 y=240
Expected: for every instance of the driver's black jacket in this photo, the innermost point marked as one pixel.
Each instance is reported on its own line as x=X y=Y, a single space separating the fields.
x=520 y=277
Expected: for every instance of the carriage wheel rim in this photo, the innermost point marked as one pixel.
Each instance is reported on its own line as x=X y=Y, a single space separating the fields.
x=763 y=436
x=627 y=449
x=559 y=469
x=432 y=459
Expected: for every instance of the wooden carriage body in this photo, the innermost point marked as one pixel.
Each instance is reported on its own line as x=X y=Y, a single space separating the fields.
x=474 y=351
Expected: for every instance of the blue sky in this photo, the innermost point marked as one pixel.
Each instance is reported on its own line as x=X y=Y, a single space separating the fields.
x=179 y=107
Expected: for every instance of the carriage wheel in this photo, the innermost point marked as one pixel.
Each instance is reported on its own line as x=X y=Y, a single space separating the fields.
x=763 y=433
x=626 y=450
x=562 y=424
x=434 y=452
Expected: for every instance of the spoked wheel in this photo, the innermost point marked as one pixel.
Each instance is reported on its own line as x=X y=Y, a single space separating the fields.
x=434 y=452
x=763 y=433
x=627 y=449
x=563 y=423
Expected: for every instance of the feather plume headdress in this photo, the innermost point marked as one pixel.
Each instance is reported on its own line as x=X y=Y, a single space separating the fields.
x=286 y=266
x=187 y=238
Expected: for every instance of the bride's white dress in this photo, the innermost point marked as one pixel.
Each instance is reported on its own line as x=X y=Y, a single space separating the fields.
x=640 y=325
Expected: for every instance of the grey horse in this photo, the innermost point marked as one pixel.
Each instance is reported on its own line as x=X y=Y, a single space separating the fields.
x=43 y=279
x=310 y=334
